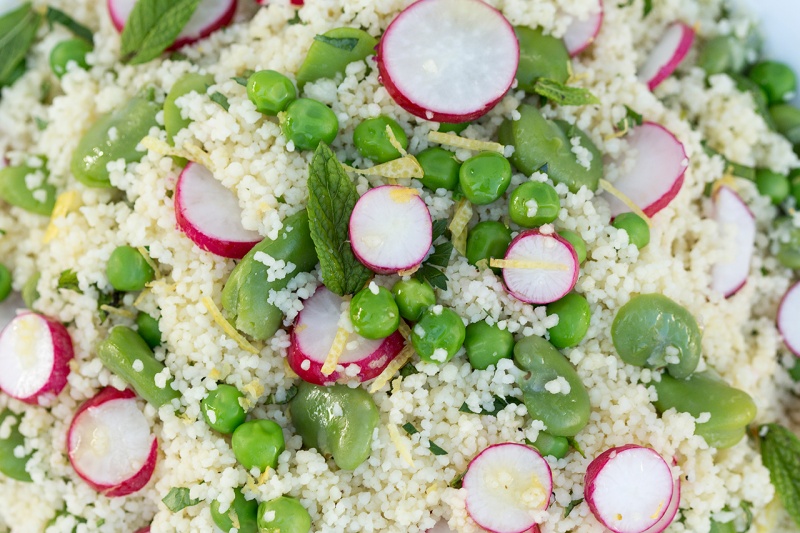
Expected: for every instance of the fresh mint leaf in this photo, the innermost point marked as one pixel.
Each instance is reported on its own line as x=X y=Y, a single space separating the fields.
x=57 y=16
x=17 y=34
x=178 y=499
x=343 y=43
x=439 y=228
x=69 y=280
x=220 y=99
x=632 y=119
x=560 y=94
x=435 y=277
x=648 y=7
x=408 y=370
x=152 y=27
x=572 y=505
x=780 y=453
x=410 y=429
x=242 y=80
x=331 y=198
x=441 y=255
x=435 y=449
x=500 y=403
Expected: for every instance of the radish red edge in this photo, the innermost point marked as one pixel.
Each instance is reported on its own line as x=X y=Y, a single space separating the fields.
x=582 y=33
x=789 y=317
x=551 y=285
x=729 y=209
x=28 y=328
x=667 y=54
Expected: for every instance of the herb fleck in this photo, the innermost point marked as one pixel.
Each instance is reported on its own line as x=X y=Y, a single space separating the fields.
x=178 y=499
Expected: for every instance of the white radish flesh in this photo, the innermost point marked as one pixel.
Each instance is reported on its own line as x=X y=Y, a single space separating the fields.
x=553 y=280
x=110 y=443
x=506 y=484
x=672 y=509
x=733 y=215
x=651 y=169
x=629 y=488
x=391 y=229
x=667 y=54
x=448 y=60
x=582 y=33
x=313 y=335
x=789 y=318
x=440 y=527
x=209 y=214
x=34 y=358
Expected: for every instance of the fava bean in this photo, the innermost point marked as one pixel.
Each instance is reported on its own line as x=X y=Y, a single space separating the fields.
x=453 y=127
x=776 y=79
x=789 y=249
x=372 y=141
x=438 y=335
x=330 y=54
x=540 y=56
x=787 y=122
x=413 y=297
x=534 y=203
x=11 y=465
x=486 y=344
x=71 y=50
x=190 y=82
x=774 y=186
x=724 y=53
x=14 y=182
x=574 y=316
x=283 y=515
x=485 y=177
x=635 y=226
x=374 y=314
x=242 y=514
x=258 y=444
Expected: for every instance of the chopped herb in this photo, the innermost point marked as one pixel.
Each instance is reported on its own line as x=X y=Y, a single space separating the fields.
x=57 y=16
x=500 y=403
x=291 y=392
x=432 y=275
x=17 y=34
x=648 y=7
x=410 y=429
x=152 y=27
x=561 y=94
x=295 y=19
x=439 y=228
x=748 y=515
x=734 y=169
x=178 y=499
x=408 y=370
x=572 y=505
x=242 y=80
x=457 y=481
x=113 y=299
x=575 y=446
x=632 y=118
x=69 y=280
x=220 y=99
x=435 y=449
x=44 y=90
x=347 y=44
x=441 y=255
x=178 y=56
x=41 y=124
x=780 y=453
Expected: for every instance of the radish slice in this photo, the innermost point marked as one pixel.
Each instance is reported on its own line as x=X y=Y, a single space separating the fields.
x=110 y=443
x=581 y=33
x=448 y=60
x=209 y=214
x=552 y=280
x=667 y=55
x=789 y=318
x=35 y=352
x=312 y=337
x=672 y=509
x=441 y=527
x=506 y=484
x=630 y=489
x=651 y=170
x=730 y=211
x=391 y=229
x=210 y=16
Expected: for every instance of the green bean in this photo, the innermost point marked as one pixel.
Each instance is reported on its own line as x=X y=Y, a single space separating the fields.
x=241 y=515
x=30 y=291
x=372 y=140
x=540 y=56
x=11 y=465
x=5 y=282
x=14 y=189
x=330 y=55
x=173 y=116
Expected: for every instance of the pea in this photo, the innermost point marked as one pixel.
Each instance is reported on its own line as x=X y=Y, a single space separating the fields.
x=453 y=127
x=722 y=527
x=794 y=372
x=374 y=312
x=787 y=121
x=283 y=515
x=635 y=226
x=372 y=140
x=413 y=297
x=653 y=331
x=731 y=409
x=39 y=199
x=488 y=239
x=794 y=177
x=330 y=53
x=485 y=177
x=549 y=445
x=257 y=444
x=148 y=329
x=777 y=79
x=242 y=514
x=30 y=290
x=222 y=409
x=534 y=203
x=440 y=168
x=11 y=465
x=723 y=53
x=270 y=91
x=772 y=185
x=486 y=344
x=438 y=335
x=71 y=50
x=127 y=269
x=789 y=250
x=5 y=282
x=191 y=82
x=574 y=316
x=578 y=244
x=306 y=122
x=565 y=409
x=540 y=56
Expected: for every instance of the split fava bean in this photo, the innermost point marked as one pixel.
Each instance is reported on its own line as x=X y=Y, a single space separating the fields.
x=331 y=54
x=20 y=186
x=188 y=83
x=11 y=465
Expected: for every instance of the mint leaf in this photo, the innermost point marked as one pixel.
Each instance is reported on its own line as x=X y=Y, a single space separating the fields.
x=69 y=280
x=57 y=16
x=572 y=505
x=178 y=499
x=409 y=428
x=500 y=403
x=221 y=99
x=435 y=277
x=347 y=44
x=152 y=27
x=435 y=449
x=780 y=453
x=439 y=228
x=17 y=34
x=242 y=80
x=648 y=7
x=331 y=198
x=561 y=94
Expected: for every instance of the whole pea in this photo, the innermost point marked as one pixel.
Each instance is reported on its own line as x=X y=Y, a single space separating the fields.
x=578 y=244
x=270 y=91
x=71 y=50
x=258 y=443
x=242 y=510
x=5 y=282
x=534 y=203
x=440 y=168
x=574 y=316
x=438 y=335
x=787 y=121
x=635 y=226
x=127 y=269
x=283 y=515
x=222 y=409
x=372 y=140
x=540 y=56
x=307 y=122
x=14 y=182
x=774 y=186
x=488 y=239
x=190 y=82
x=486 y=344
x=777 y=79
x=549 y=445
x=485 y=177
x=413 y=297
x=724 y=53
x=374 y=313
x=11 y=465
x=789 y=248
x=147 y=327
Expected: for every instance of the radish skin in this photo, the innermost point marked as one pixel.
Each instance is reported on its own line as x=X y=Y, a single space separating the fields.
x=540 y=286
x=581 y=33
x=789 y=318
x=730 y=211
x=672 y=509
x=667 y=54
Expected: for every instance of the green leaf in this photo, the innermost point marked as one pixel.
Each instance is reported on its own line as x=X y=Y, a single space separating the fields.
x=735 y=169
x=291 y=392
x=441 y=255
x=747 y=509
x=220 y=99
x=113 y=299
x=780 y=453
x=408 y=370
x=435 y=449
x=410 y=429
x=152 y=27
x=561 y=94
x=41 y=124
x=17 y=34
x=457 y=481
x=572 y=505
x=500 y=403
x=331 y=198
x=295 y=19
x=343 y=43
x=242 y=80
x=432 y=275
x=69 y=280
x=178 y=499
x=632 y=118
x=439 y=228
x=577 y=447
x=648 y=7
x=59 y=17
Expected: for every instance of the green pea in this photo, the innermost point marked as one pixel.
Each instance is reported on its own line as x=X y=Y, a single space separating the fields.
x=283 y=515
x=772 y=185
x=488 y=239
x=794 y=372
x=723 y=53
x=374 y=314
x=574 y=316
x=777 y=79
x=258 y=444
x=549 y=445
x=11 y=465
x=307 y=122
x=127 y=269
x=63 y=53
x=534 y=203
x=372 y=140
x=413 y=297
x=440 y=168
x=789 y=250
x=651 y=330
x=563 y=412
x=5 y=282
x=731 y=409
x=242 y=514
x=722 y=527
x=147 y=327
x=331 y=52
x=114 y=136
x=486 y=344
x=485 y=177
x=191 y=82
x=453 y=127
x=438 y=335
x=540 y=56
x=337 y=421
x=787 y=121
x=794 y=178
x=635 y=226
x=270 y=91
x=578 y=244
x=222 y=409
x=30 y=290
x=14 y=189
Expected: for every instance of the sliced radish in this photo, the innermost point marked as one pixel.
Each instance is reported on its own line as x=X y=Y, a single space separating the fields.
x=110 y=443
x=630 y=489
x=789 y=318
x=35 y=352
x=581 y=33
x=730 y=211
x=448 y=60
x=667 y=54
x=391 y=229
x=441 y=527
x=652 y=169
x=209 y=214
x=145 y=529
x=210 y=16
x=506 y=485
x=672 y=509
x=312 y=337
x=540 y=268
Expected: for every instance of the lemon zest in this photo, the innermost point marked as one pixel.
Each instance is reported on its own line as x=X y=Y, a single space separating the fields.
x=65 y=203
x=403 y=195
x=116 y=311
x=408 y=272
x=527 y=265
x=619 y=195
x=290 y=373
x=456 y=141
x=149 y=260
x=189 y=151
x=458 y=226
x=403 y=168
x=339 y=342
x=404 y=330
x=226 y=326
x=394 y=142
x=392 y=368
x=399 y=443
